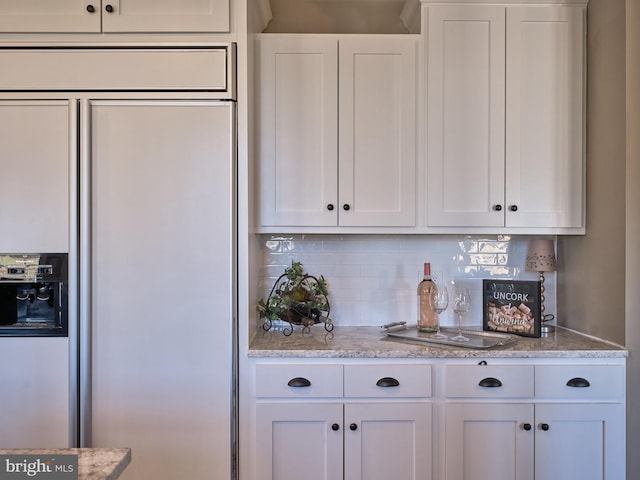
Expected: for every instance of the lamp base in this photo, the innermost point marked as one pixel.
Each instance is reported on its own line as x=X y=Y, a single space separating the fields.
x=547 y=329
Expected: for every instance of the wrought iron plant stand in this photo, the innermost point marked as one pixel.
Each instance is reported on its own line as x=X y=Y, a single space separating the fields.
x=296 y=298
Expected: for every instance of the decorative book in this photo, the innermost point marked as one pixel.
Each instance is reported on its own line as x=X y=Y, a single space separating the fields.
x=512 y=306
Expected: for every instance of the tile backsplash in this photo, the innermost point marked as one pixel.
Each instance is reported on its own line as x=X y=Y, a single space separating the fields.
x=372 y=279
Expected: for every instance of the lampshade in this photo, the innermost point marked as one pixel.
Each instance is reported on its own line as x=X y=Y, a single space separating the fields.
x=541 y=256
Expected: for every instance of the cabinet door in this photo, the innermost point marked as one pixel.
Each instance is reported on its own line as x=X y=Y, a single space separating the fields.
x=383 y=441
x=377 y=134
x=50 y=16
x=298 y=132
x=544 y=117
x=465 y=116
x=165 y=16
x=489 y=441
x=35 y=383
x=161 y=215
x=581 y=442
x=37 y=160
x=295 y=441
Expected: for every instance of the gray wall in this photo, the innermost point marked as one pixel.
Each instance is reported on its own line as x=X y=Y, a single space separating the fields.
x=608 y=255
x=633 y=237
x=597 y=259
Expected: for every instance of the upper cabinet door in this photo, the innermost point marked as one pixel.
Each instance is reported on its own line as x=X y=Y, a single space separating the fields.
x=165 y=16
x=298 y=131
x=377 y=133
x=337 y=131
x=544 y=117
x=50 y=16
x=37 y=160
x=465 y=116
x=86 y=16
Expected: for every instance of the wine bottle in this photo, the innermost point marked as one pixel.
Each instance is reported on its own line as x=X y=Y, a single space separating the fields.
x=428 y=320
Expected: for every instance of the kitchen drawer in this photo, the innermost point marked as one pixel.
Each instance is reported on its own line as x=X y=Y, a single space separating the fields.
x=576 y=382
x=489 y=381
x=387 y=381
x=182 y=69
x=298 y=380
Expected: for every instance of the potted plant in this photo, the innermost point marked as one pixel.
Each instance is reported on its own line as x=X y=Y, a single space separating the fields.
x=296 y=298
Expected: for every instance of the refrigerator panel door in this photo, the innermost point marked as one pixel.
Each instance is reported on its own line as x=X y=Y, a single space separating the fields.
x=161 y=292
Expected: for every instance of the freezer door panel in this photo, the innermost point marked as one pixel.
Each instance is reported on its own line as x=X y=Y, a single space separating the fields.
x=162 y=304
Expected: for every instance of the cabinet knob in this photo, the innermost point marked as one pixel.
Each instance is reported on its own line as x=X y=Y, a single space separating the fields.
x=490 y=382
x=346 y=207
x=335 y=427
x=527 y=426
x=330 y=207
x=91 y=8
x=388 y=382
x=353 y=427
x=578 y=382
x=513 y=208
x=544 y=426
x=298 y=382
x=497 y=208
x=109 y=8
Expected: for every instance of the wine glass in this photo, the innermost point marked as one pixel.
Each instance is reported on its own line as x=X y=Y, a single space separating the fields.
x=439 y=301
x=461 y=304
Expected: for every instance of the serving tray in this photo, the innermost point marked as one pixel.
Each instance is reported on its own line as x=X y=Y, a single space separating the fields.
x=477 y=339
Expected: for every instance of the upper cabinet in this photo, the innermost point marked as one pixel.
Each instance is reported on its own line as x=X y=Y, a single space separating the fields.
x=337 y=131
x=38 y=167
x=504 y=123
x=111 y=16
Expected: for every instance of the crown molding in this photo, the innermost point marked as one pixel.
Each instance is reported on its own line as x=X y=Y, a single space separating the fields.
x=573 y=3
x=410 y=15
x=264 y=13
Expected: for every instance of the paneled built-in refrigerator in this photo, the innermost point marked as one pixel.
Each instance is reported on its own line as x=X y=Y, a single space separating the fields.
x=123 y=159
x=157 y=284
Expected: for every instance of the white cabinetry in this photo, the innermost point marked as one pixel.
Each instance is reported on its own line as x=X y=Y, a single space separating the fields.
x=37 y=161
x=334 y=421
x=492 y=163
x=35 y=378
x=109 y=16
x=154 y=163
x=337 y=142
x=498 y=419
x=542 y=422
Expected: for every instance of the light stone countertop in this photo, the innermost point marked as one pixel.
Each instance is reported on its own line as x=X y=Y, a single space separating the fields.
x=93 y=463
x=370 y=342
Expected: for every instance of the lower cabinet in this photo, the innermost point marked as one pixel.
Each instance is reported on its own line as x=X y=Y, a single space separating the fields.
x=369 y=441
x=301 y=440
x=449 y=419
x=507 y=441
x=379 y=429
x=551 y=422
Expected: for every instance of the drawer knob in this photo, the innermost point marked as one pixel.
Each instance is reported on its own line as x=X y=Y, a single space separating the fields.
x=335 y=427
x=91 y=8
x=490 y=382
x=578 y=382
x=527 y=426
x=544 y=426
x=388 y=382
x=330 y=207
x=298 y=382
x=353 y=427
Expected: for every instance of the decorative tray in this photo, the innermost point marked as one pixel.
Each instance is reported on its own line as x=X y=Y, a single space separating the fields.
x=478 y=339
